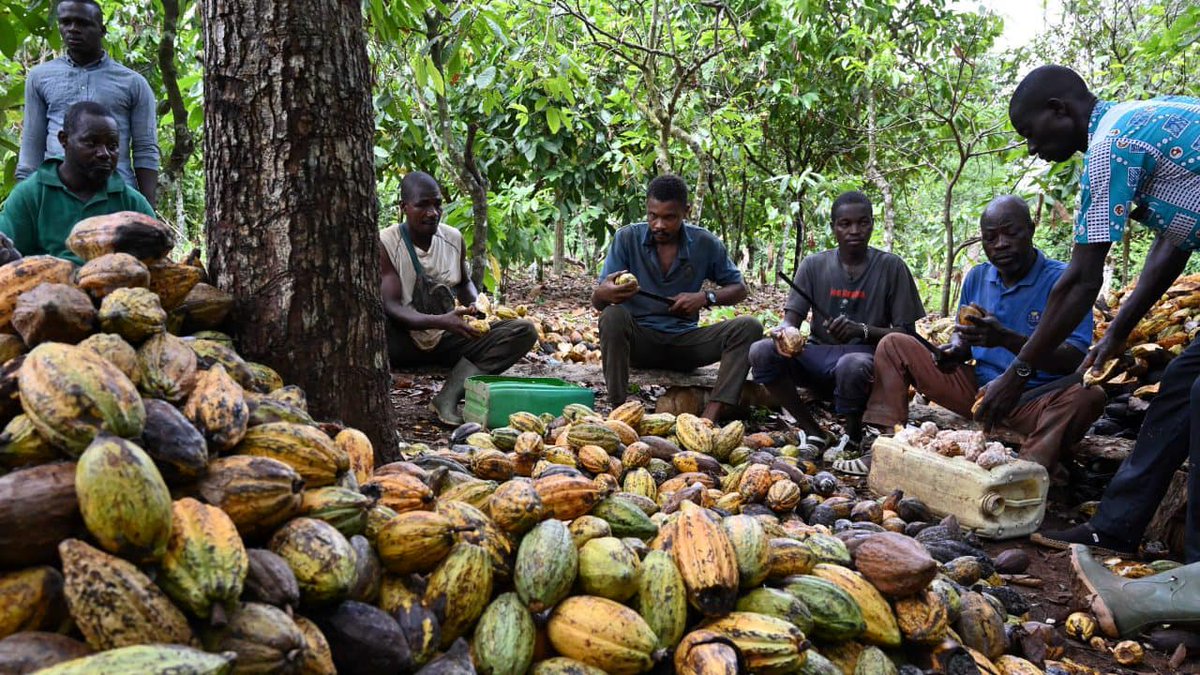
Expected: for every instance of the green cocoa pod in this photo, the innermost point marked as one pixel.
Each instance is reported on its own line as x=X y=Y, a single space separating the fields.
x=609 y=569
x=504 y=638
x=662 y=598
x=459 y=590
x=547 y=563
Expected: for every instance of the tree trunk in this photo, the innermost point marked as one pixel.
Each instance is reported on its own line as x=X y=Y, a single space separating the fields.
x=479 y=217
x=560 y=235
x=291 y=207
x=877 y=178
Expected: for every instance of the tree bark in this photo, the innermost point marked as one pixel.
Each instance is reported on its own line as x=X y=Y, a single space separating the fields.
x=876 y=176
x=290 y=197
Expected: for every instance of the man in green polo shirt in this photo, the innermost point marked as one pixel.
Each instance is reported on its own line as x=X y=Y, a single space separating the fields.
x=42 y=209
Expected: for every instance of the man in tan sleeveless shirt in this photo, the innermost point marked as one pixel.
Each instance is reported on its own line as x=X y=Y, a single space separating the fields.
x=423 y=325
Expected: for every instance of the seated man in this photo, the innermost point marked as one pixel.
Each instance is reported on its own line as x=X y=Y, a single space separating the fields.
x=671 y=258
x=424 y=269
x=862 y=294
x=1010 y=292
x=41 y=211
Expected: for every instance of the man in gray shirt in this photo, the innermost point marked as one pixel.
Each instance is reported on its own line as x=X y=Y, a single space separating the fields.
x=868 y=293
x=87 y=73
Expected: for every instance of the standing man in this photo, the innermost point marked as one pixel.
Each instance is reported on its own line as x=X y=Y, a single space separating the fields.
x=868 y=292
x=1008 y=295
x=40 y=212
x=424 y=270
x=1142 y=162
x=671 y=258
x=87 y=73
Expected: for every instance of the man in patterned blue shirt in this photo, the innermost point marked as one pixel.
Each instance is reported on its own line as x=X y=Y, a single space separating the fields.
x=1142 y=162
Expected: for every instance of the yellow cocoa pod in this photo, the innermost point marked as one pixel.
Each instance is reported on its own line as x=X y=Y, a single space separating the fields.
x=624 y=431
x=567 y=497
x=264 y=379
x=629 y=412
x=706 y=561
x=137 y=234
x=124 y=501
x=603 y=634
x=70 y=394
x=768 y=644
x=462 y=585
x=515 y=506
x=608 y=569
x=258 y=493
x=727 y=438
x=26 y=274
x=21 y=445
x=694 y=434
x=31 y=600
x=133 y=313
x=166 y=368
x=147 y=659
x=205 y=564
x=114 y=349
x=105 y=274
x=624 y=279
x=318 y=658
x=114 y=604
x=881 y=622
x=402 y=492
x=320 y=557
x=171 y=282
x=308 y=450
x=359 y=451
x=217 y=407
x=922 y=618
x=414 y=541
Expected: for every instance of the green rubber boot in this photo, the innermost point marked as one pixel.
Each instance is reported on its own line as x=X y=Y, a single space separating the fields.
x=445 y=404
x=1123 y=607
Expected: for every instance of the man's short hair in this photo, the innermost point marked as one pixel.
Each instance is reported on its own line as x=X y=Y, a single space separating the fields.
x=93 y=3
x=1046 y=82
x=847 y=198
x=81 y=108
x=668 y=188
x=414 y=180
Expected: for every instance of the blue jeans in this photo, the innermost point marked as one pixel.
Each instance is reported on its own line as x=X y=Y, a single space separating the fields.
x=849 y=370
x=1170 y=434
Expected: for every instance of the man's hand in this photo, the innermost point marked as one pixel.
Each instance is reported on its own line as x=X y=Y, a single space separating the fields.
x=949 y=357
x=8 y=252
x=844 y=330
x=1101 y=353
x=776 y=335
x=688 y=304
x=611 y=293
x=1000 y=399
x=452 y=321
x=984 y=331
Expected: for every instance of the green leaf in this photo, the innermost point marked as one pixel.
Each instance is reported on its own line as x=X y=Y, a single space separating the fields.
x=8 y=37
x=435 y=76
x=553 y=119
x=486 y=78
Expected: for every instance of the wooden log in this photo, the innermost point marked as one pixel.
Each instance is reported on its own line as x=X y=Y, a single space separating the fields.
x=1168 y=524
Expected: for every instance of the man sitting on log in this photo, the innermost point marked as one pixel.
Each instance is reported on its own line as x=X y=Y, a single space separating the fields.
x=40 y=212
x=861 y=294
x=670 y=258
x=1002 y=301
x=1142 y=162
x=424 y=269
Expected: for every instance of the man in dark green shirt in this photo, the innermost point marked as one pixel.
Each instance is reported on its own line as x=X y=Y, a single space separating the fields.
x=41 y=210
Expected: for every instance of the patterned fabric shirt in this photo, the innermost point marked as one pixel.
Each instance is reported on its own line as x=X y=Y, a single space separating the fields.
x=1143 y=157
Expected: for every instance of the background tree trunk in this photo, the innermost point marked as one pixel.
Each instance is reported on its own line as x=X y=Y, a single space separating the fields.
x=290 y=197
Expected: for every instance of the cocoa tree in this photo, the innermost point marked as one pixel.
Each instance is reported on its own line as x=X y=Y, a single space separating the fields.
x=291 y=209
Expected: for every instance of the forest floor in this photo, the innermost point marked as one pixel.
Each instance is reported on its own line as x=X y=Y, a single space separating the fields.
x=566 y=300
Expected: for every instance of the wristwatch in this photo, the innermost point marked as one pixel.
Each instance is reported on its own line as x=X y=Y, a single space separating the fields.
x=711 y=297
x=1023 y=369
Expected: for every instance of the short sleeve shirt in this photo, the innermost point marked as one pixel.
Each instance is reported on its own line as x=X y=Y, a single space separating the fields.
x=884 y=294
x=1142 y=155
x=40 y=211
x=701 y=256
x=1019 y=308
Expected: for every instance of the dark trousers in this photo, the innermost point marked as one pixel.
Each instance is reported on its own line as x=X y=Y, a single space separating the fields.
x=624 y=343
x=493 y=353
x=1170 y=434
x=846 y=369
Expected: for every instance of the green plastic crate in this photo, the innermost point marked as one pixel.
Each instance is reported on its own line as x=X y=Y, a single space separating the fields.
x=492 y=398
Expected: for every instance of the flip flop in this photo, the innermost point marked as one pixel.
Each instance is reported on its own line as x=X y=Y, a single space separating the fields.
x=859 y=466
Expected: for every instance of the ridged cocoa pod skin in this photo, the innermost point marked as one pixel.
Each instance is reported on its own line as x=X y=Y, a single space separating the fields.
x=318 y=658
x=269 y=579
x=102 y=397
x=205 y=565
x=114 y=604
x=171 y=282
x=504 y=639
x=103 y=275
x=258 y=493
x=460 y=588
x=38 y=509
x=31 y=651
x=53 y=313
x=26 y=274
x=217 y=407
x=114 y=349
x=158 y=658
x=137 y=234
x=133 y=313
x=166 y=368
x=265 y=639
x=321 y=558
x=706 y=560
x=31 y=599
x=178 y=450
x=981 y=626
x=125 y=502
x=364 y=640
x=547 y=564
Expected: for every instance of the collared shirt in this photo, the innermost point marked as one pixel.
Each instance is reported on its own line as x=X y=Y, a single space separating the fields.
x=701 y=256
x=883 y=294
x=1019 y=308
x=1142 y=155
x=53 y=86
x=40 y=212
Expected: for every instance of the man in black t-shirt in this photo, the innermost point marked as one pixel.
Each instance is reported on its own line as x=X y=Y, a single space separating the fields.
x=868 y=292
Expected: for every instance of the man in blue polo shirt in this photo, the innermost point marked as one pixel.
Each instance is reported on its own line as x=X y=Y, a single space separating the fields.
x=671 y=258
x=1008 y=295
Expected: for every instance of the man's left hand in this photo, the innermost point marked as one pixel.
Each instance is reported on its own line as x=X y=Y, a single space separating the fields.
x=1000 y=399
x=844 y=330
x=688 y=304
x=984 y=331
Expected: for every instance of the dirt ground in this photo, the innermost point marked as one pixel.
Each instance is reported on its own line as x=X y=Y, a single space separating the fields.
x=412 y=393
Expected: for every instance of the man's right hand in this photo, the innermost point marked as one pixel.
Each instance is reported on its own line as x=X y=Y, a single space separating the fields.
x=611 y=293
x=949 y=357
x=453 y=322
x=776 y=335
x=1101 y=353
